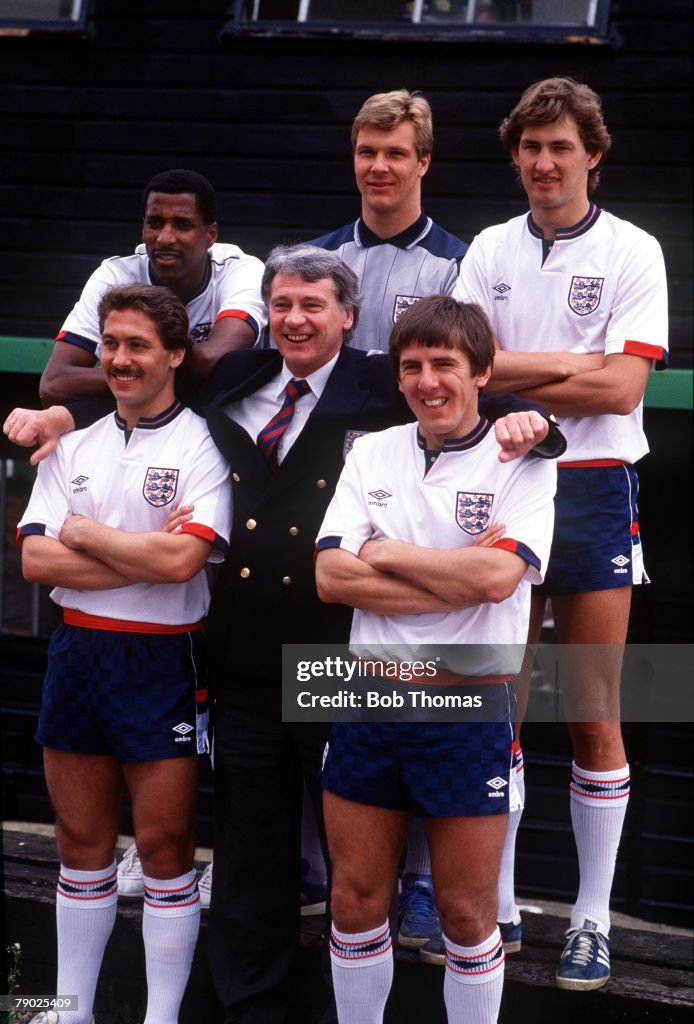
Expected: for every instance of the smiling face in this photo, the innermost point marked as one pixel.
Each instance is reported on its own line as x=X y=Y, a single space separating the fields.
x=389 y=173
x=177 y=239
x=138 y=369
x=553 y=164
x=306 y=321
x=441 y=390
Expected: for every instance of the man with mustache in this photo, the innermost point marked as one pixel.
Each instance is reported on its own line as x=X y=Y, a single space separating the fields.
x=124 y=703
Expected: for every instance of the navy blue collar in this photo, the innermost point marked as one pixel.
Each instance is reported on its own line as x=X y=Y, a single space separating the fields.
x=460 y=444
x=153 y=422
x=585 y=224
x=402 y=241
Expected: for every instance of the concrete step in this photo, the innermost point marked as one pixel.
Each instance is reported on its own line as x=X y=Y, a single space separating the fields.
x=652 y=979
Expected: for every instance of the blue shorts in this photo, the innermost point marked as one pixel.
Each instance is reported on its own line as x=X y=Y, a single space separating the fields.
x=134 y=696
x=436 y=769
x=596 y=543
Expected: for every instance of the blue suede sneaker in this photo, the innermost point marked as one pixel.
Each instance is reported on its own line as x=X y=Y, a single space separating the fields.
x=585 y=962
x=313 y=898
x=511 y=934
x=312 y=895
x=433 y=951
x=418 y=920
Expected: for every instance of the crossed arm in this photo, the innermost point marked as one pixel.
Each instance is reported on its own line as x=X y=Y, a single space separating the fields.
x=92 y=556
x=393 y=577
x=46 y=560
x=71 y=373
x=573 y=384
x=228 y=334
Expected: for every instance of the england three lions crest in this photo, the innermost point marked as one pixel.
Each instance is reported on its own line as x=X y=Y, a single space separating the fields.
x=160 y=486
x=201 y=332
x=584 y=294
x=473 y=511
x=403 y=302
x=350 y=437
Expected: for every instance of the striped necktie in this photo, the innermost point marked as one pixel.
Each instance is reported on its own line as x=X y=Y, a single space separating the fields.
x=271 y=434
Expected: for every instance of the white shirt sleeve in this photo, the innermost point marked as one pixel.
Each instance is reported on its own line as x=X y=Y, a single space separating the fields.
x=206 y=486
x=638 y=322
x=526 y=507
x=347 y=523
x=83 y=320
x=472 y=284
x=49 y=502
x=239 y=291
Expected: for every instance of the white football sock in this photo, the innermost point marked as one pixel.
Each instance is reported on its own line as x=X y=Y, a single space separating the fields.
x=362 y=967
x=508 y=909
x=170 y=924
x=598 y=807
x=474 y=980
x=85 y=915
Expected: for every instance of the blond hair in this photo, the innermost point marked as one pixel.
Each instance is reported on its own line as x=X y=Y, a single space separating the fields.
x=388 y=110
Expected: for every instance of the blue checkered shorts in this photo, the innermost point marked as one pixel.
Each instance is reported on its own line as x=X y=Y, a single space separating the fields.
x=436 y=769
x=596 y=543
x=135 y=696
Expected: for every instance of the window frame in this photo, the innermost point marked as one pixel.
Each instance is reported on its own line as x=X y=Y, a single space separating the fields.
x=242 y=24
x=75 y=24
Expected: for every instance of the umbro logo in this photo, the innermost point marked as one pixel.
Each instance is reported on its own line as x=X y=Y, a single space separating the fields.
x=620 y=560
x=182 y=729
x=501 y=289
x=379 y=498
x=79 y=483
x=497 y=785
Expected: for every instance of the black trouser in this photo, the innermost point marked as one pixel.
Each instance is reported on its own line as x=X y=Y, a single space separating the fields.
x=260 y=764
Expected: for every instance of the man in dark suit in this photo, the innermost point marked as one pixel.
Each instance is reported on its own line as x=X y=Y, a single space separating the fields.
x=266 y=595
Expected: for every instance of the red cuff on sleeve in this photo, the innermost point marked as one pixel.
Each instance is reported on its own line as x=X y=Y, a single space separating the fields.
x=640 y=348
x=240 y=314
x=200 y=531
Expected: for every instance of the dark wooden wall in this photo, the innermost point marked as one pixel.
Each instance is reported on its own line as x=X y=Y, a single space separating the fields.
x=85 y=122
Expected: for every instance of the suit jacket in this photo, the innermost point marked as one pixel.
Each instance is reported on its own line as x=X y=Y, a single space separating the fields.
x=265 y=594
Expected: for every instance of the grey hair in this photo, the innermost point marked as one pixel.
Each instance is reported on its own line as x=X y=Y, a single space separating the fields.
x=313 y=264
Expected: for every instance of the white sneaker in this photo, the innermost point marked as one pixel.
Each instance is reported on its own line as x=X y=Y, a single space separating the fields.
x=130 y=881
x=205 y=887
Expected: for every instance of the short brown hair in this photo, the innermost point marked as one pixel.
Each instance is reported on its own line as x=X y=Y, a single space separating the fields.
x=442 y=320
x=388 y=110
x=552 y=100
x=166 y=311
